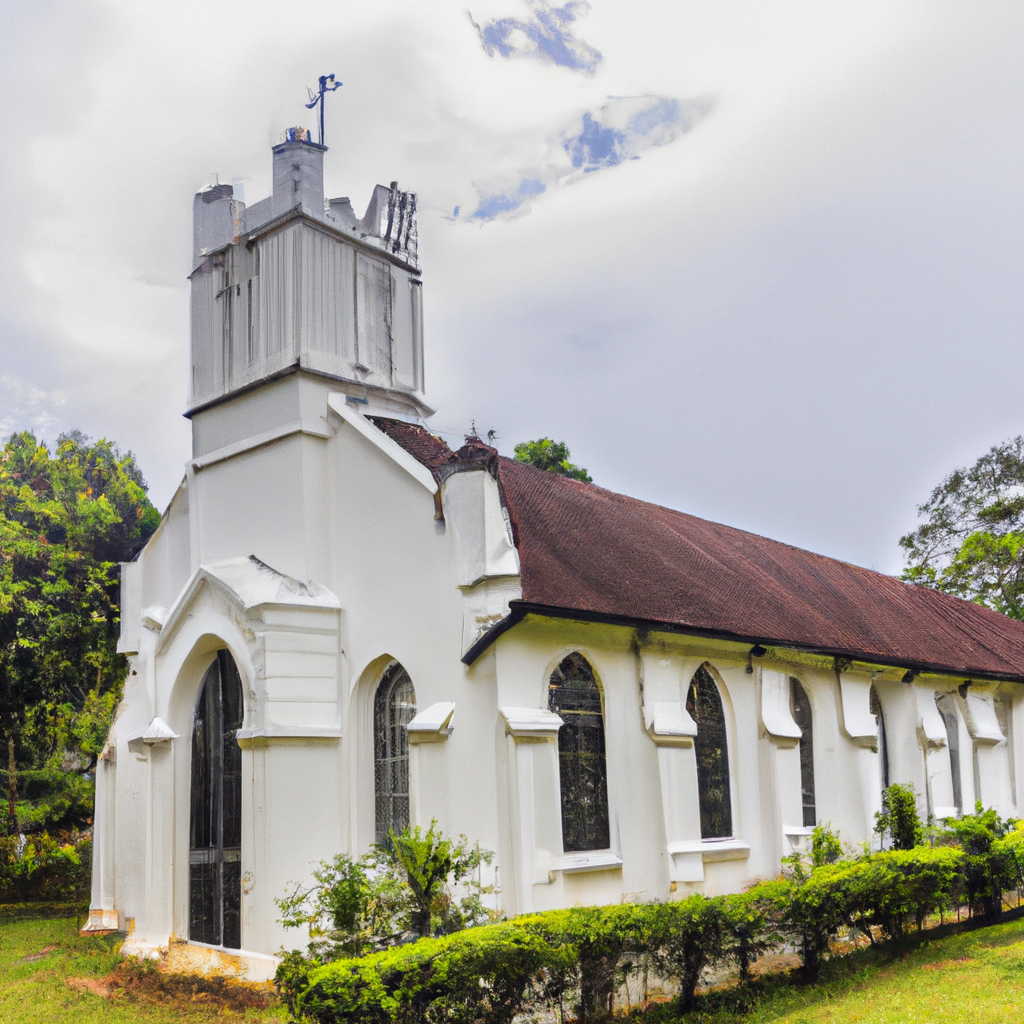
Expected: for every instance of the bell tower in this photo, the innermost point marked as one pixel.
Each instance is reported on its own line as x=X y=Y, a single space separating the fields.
x=298 y=287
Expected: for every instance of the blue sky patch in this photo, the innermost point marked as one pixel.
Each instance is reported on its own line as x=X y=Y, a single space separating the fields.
x=595 y=146
x=546 y=35
x=622 y=129
x=490 y=206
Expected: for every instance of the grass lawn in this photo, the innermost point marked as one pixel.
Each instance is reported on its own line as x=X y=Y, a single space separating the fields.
x=973 y=977
x=977 y=977
x=34 y=988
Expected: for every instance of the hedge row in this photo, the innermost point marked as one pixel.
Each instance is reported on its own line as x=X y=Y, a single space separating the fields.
x=577 y=957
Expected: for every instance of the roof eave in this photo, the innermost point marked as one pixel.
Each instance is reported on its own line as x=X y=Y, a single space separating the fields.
x=518 y=610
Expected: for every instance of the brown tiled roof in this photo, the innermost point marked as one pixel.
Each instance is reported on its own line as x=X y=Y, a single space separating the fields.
x=419 y=442
x=602 y=555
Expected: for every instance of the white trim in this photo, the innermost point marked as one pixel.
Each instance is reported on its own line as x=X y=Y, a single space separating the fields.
x=230 y=451
x=575 y=863
x=713 y=849
x=338 y=404
x=433 y=724
x=531 y=723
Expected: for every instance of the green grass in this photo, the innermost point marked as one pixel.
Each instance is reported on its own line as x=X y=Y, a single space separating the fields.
x=36 y=991
x=977 y=977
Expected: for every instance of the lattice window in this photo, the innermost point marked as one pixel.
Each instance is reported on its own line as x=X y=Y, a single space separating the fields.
x=875 y=706
x=215 y=819
x=800 y=706
x=947 y=709
x=574 y=695
x=394 y=706
x=704 y=703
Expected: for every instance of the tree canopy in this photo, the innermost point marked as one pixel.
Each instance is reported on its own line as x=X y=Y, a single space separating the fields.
x=552 y=456
x=971 y=542
x=66 y=519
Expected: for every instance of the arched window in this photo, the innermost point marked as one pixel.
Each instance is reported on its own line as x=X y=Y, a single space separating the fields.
x=875 y=706
x=394 y=706
x=215 y=818
x=801 y=709
x=947 y=709
x=573 y=694
x=704 y=703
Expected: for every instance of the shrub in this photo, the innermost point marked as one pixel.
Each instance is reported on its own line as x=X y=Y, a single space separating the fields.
x=575 y=957
x=985 y=866
x=896 y=887
x=753 y=919
x=482 y=974
x=898 y=818
x=691 y=936
x=1010 y=848
x=37 y=867
x=396 y=892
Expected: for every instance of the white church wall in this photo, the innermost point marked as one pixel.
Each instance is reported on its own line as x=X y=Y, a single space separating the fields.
x=254 y=504
x=391 y=566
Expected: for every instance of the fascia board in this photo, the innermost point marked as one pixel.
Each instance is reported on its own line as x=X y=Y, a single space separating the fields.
x=391 y=449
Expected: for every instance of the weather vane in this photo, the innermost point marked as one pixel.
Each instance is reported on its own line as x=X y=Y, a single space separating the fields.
x=327 y=84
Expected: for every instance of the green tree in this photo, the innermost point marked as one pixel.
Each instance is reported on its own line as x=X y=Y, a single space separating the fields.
x=971 y=543
x=66 y=520
x=552 y=456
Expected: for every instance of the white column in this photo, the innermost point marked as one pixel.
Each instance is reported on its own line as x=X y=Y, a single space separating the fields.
x=782 y=761
x=534 y=799
x=103 y=917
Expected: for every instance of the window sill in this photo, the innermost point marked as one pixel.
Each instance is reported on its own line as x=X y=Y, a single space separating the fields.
x=576 y=863
x=713 y=849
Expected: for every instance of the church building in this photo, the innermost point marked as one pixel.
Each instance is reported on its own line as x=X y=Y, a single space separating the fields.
x=342 y=626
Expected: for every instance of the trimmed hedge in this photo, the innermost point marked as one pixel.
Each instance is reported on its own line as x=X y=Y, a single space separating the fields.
x=577 y=957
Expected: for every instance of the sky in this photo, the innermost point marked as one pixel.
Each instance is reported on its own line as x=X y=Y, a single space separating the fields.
x=761 y=262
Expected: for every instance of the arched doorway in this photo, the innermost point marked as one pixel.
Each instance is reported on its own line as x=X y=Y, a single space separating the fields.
x=215 y=818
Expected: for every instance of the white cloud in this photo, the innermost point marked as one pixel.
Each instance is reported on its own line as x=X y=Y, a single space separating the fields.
x=777 y=320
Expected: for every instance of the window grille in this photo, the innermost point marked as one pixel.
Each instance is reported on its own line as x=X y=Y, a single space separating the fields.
x=947 y=709
x=875 y=706
x=574 y=695
x=215 y=819
x=704 y=704
x=800 y=706
x=394 y=706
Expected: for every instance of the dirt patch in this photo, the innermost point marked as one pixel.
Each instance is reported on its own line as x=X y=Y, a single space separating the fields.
x=32 y=957
x=776 y=963
x=146 y=983
x=941 y=965
x=97 y=986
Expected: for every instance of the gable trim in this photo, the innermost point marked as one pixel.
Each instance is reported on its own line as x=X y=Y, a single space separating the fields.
x=337 y=404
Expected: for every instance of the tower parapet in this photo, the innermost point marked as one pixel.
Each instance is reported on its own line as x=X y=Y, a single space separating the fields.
x=295 y=282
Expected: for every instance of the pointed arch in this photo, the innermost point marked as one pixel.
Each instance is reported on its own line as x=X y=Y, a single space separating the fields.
x=704 y=704
x=574 y=694
x=800 y=706
x=215 y=811
x=875 y=706
x=394 y=707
